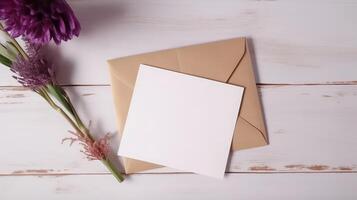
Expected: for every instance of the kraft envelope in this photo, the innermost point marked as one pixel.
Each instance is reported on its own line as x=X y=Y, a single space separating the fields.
x=226 y=61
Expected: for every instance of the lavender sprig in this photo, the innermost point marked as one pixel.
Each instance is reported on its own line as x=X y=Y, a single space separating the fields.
x=36 y=73
x=33 y=72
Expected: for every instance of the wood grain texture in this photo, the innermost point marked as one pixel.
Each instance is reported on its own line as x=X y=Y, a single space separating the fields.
x=294 y=41
x=311 y=129
x=182 y=187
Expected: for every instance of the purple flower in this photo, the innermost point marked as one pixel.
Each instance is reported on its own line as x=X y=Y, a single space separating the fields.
x=39 y=21
x=33 y=72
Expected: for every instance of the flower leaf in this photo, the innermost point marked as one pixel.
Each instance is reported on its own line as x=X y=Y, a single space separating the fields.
x=4 y=52
x=57 y=93
x=12 y=50
x=5 y=61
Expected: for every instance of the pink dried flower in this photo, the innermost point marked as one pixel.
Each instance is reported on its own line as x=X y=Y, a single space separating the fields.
x=94 y=150
x=35 y=71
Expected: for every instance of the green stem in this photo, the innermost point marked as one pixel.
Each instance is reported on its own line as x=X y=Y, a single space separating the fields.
x=75 y=115
x=60 y=94
x=58 y=109
x=80 y=128
x=118 y=175
x=107 y=162
x=13 y=40
x=18 y=47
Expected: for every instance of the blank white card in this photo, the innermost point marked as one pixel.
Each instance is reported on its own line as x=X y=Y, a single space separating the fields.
x=181 y=121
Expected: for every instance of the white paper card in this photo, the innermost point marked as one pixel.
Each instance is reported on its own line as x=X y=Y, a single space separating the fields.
x=181 y=121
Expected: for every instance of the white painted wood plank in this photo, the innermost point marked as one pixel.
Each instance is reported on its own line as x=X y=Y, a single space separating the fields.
x=311 y=128
x=295 y=41
x=182 y=186
x=32 y=135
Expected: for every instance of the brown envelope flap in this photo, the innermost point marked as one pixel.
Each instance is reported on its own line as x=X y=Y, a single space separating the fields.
x=229 y=61
x=251 y=110
x=215 y=60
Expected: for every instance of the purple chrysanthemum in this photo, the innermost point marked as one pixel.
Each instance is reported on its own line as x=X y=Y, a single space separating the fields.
x=33 y=72
x=39 y=21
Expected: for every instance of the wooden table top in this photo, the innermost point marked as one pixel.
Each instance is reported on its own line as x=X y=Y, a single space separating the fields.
x=305 y=57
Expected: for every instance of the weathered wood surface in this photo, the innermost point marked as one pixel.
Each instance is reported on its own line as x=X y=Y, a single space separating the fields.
x=311 y=129
x=182 y=187
x=304 y=41
x=311 y=44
